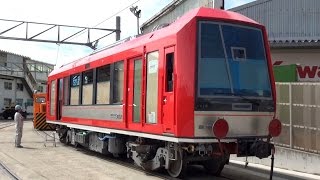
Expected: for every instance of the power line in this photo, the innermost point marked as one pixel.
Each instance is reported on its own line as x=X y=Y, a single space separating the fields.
x=108 y=18
x=98 y=24
x=116 y=13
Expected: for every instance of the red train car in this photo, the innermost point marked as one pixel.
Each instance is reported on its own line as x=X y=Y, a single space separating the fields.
x=195 y=91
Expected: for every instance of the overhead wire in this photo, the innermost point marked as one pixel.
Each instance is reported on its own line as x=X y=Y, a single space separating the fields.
x=99 y=24
x=107 y=18
x=117 y=13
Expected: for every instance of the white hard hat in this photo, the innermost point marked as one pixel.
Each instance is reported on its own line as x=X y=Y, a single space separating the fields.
x=17 y=107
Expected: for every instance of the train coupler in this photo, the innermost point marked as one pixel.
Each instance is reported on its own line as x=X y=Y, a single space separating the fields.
x=253 y=147
x=261 y=149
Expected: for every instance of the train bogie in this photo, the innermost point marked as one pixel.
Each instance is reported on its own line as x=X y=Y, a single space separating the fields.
x=149 y=154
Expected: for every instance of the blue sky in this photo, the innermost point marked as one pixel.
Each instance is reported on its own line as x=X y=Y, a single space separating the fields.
x=78 y=13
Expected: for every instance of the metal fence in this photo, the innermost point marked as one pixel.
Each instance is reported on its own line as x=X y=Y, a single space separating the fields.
x=298 y=107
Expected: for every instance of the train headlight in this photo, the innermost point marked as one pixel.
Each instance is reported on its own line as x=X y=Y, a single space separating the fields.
x=275 y=127
x=220 y=128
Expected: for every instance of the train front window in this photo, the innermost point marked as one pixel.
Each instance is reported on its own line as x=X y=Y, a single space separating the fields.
x=232 y=61
x=212 y=72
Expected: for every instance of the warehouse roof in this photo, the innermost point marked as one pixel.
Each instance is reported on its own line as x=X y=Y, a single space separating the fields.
x=26 y=57
x=7 y=52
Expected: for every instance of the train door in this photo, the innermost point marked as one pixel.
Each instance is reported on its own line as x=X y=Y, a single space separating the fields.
x=59 y=99
x=135 y=103
x=168 y=91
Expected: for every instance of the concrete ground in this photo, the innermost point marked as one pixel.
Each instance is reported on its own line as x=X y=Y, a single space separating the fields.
x=35 y=161
x=3 y=174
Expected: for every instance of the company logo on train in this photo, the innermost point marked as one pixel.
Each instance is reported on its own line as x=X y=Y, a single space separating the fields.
x=193 y=92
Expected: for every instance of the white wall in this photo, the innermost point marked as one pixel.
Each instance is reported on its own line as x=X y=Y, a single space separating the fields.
x=289 y=159
x=308 y=60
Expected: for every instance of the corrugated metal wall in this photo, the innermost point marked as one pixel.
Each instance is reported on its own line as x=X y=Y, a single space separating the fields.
x=286 y=20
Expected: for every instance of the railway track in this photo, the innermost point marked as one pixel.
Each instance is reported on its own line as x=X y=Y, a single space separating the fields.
x=7 y=172
x=6 y=124
x=126 y=163
x=196 y=172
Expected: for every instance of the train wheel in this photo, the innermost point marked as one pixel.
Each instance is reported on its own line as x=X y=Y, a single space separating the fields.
x=63 y=135
x=177 y=167
x=214 y=166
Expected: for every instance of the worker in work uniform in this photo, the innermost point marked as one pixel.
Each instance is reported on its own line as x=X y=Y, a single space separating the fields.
x=18 y=118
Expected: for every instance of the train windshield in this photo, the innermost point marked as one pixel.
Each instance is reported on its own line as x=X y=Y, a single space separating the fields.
x=232 y=62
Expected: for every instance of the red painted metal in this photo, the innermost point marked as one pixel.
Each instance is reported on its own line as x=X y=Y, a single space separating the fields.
x=168 y=98
x=180 y=38
x=270 y=67
x=137 y=126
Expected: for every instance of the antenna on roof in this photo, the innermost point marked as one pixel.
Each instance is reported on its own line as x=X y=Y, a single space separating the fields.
x=218 y=4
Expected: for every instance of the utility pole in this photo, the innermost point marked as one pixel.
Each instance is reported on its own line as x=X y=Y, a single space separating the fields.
x=118 y=31
x=137 y=13
x=218 y=4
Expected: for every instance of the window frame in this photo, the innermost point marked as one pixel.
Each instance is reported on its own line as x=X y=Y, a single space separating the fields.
x=169 y=57
x=82 y=83
x=97 y=81
x=20 y=86
x=66 y=97
x=7 y=85
x=79 y=89
x=21 y=100
x=52 y=109
x=220 y=24
x=112 y=83
x=148 y=107
x=10 y=102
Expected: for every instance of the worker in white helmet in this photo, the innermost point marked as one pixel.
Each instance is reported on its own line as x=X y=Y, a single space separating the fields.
x=18 y=118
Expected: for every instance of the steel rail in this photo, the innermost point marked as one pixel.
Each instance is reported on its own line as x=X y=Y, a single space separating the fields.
x=2 y=126
x=124 y=162
x=8 y=172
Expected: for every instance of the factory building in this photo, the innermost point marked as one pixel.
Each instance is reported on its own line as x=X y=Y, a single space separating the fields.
x=20 y=77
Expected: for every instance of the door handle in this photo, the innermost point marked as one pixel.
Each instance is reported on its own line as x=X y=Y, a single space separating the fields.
x=165 y=100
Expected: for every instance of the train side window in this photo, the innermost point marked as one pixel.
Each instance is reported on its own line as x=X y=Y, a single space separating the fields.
x=48 y=94
x=74 y=89
x=169 y=72
x=66 y=84
x=87 y=87
x=103 y=85
x=117 y=90
x=40 y=100
x=52 y=97
x=152 y=88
